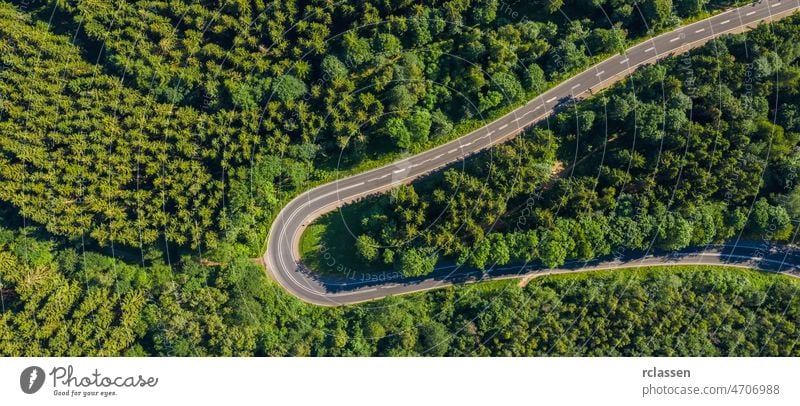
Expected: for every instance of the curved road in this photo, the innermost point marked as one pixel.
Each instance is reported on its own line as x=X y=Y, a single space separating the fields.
x=282 y=258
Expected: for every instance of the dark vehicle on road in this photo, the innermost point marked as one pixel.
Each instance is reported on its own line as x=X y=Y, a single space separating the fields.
x=564 y=103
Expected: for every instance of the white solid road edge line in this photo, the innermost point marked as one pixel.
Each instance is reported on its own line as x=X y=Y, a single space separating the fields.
x=269 y=258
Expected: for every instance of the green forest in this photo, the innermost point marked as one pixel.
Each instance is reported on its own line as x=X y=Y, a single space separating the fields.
x=146 y=146
x=59 y=302
x=698 y=149
x=180 y=126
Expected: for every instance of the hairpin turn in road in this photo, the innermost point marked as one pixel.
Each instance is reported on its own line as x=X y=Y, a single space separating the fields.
x=282 y=258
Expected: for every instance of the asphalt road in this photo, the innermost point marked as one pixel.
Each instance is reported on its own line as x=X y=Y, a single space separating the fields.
x=282 y=258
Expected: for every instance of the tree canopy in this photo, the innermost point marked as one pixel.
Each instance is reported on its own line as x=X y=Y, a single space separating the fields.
x=695 y=150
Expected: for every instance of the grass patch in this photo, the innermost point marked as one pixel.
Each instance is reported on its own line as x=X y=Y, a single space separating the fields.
x=715 y=277
x=752 y=277
x=311 y=240
x=328 y=245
